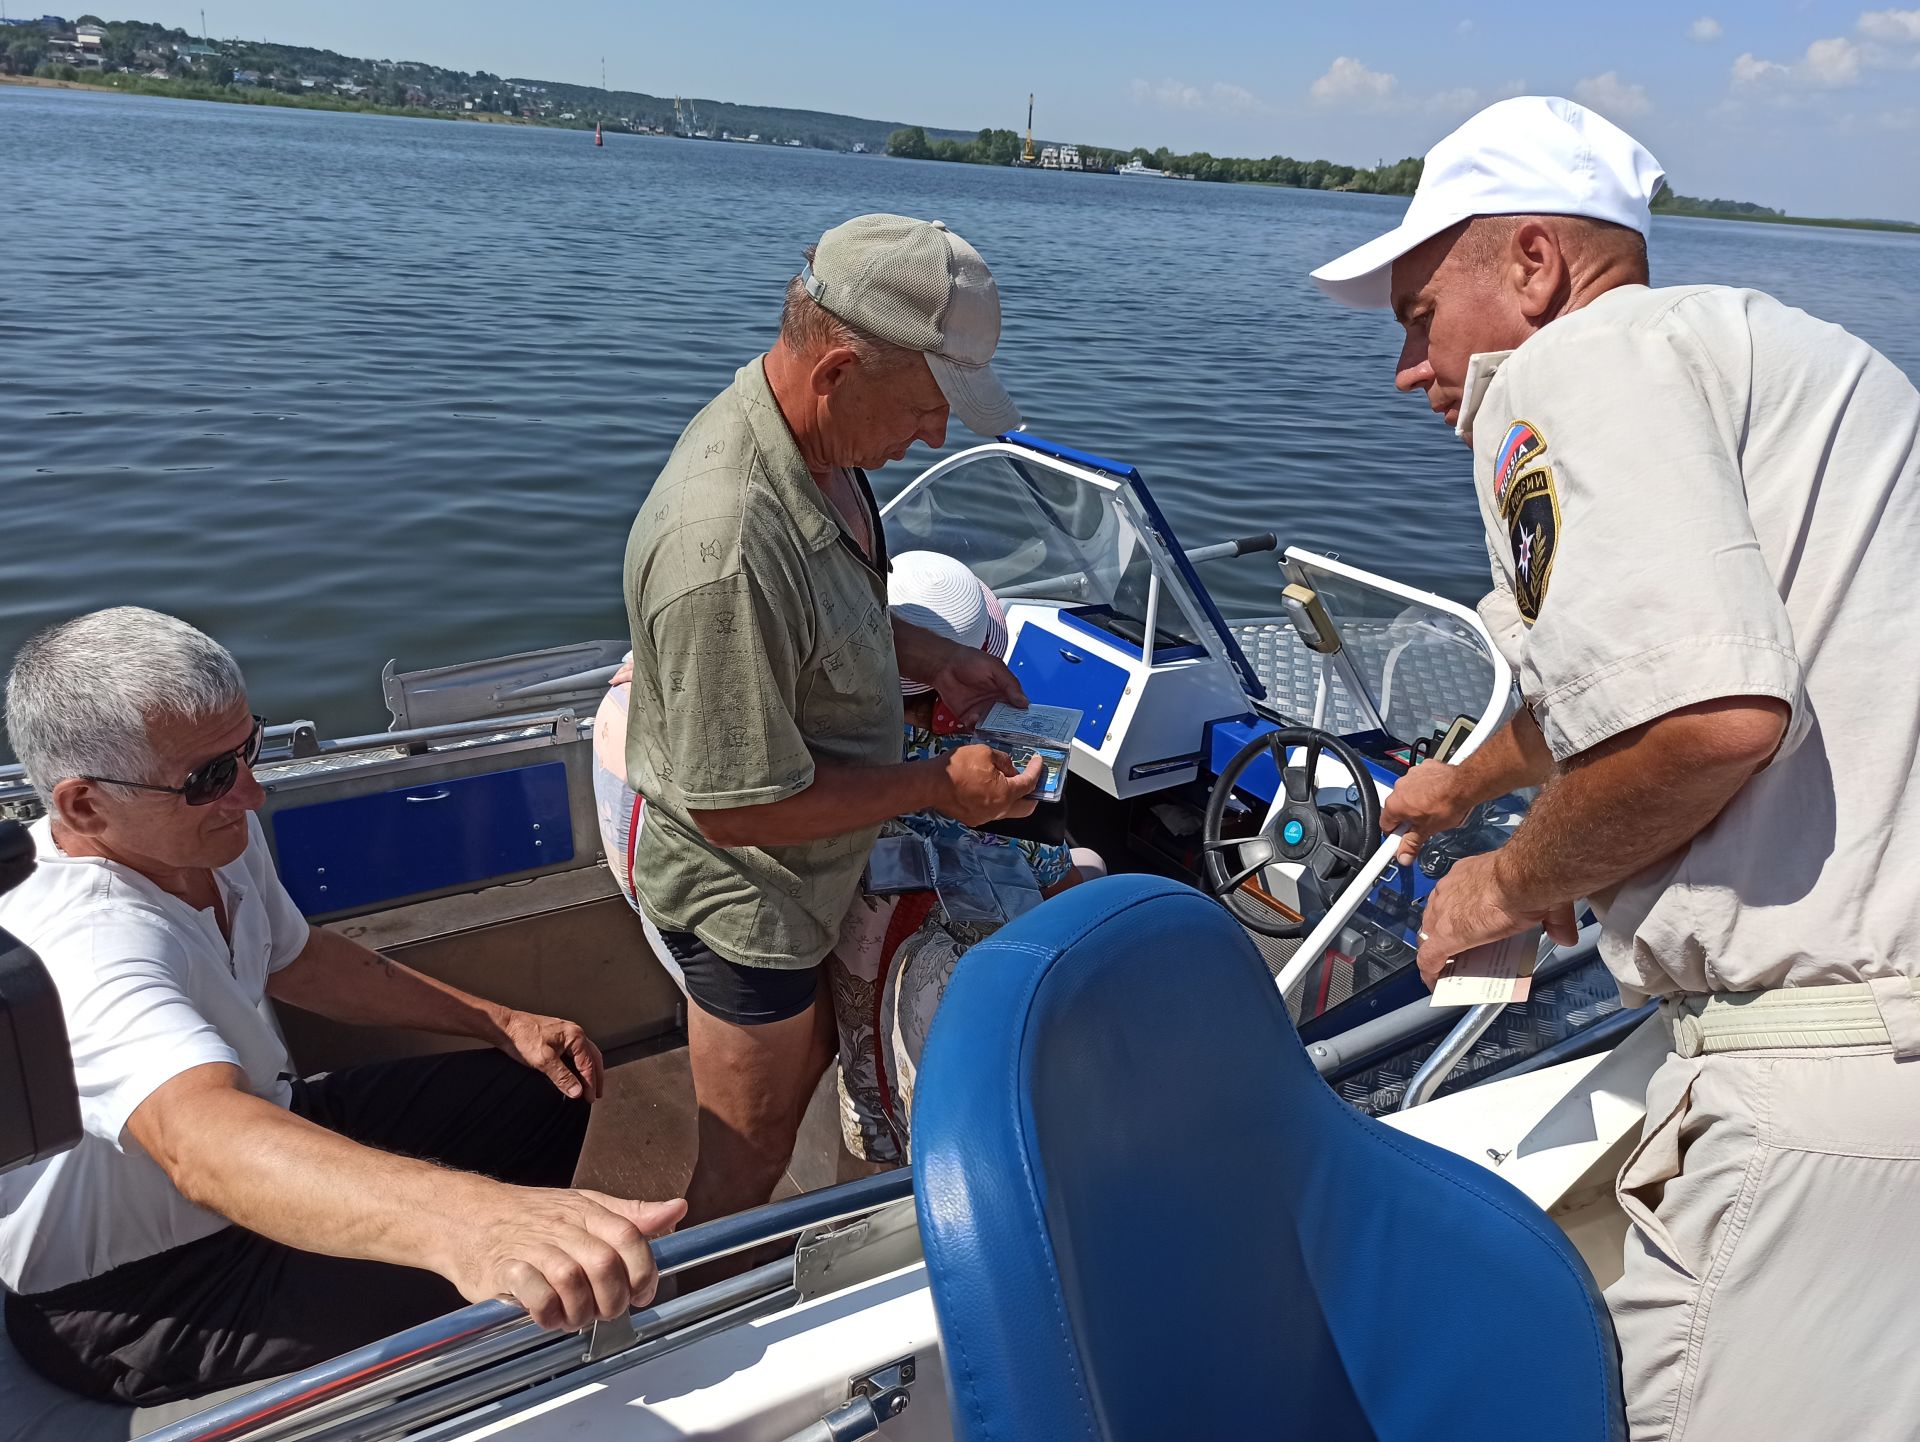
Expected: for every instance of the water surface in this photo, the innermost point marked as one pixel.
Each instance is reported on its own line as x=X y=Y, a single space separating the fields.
x=341 y=388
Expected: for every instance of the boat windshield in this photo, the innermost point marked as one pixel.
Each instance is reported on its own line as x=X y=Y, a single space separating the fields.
x=1421 y=667
x=1033 y=531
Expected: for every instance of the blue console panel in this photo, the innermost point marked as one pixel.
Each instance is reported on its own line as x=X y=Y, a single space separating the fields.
x=1262 y=776
x=363 y=850
x=1057 y=672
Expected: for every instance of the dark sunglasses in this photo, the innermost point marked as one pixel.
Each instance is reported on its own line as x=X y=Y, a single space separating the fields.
x=208 y=781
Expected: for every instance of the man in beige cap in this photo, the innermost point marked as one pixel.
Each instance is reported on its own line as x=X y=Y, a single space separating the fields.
x=766 y=721
x=1702 y=509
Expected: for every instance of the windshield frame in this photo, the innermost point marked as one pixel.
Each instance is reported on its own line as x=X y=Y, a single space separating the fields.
x=1499 y=704
x=1173 y=573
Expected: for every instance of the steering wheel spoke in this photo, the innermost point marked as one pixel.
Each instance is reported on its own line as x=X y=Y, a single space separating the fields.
x=1314 y=901
x=1246 y=873
x=1341 y=854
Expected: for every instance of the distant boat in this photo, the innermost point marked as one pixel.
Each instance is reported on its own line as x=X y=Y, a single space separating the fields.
x=1134 y=167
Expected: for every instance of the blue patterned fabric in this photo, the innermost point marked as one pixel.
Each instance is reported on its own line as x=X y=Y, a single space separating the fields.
x=1050 y=863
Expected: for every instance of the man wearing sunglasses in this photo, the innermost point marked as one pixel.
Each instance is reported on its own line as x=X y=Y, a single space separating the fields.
x=221 y=1220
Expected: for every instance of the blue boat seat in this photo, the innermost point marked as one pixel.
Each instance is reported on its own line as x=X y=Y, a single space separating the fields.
x=1146 y=1217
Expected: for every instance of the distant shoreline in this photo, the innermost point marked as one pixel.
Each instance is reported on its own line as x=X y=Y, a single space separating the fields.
x=168 y=90
x=1892 y=227
x=42 y=82
x=175 y=90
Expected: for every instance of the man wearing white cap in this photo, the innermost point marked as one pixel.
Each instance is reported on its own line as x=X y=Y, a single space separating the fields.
x=765 y=710
x=1702 y=509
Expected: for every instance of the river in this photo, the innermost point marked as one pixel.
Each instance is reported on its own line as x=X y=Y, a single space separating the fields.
x=340 y=388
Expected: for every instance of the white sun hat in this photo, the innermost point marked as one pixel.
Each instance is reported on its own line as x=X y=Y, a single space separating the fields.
x=939 y=594
x=1533 y=155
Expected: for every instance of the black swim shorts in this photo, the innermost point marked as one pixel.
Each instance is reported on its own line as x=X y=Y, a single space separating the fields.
x=743 y=995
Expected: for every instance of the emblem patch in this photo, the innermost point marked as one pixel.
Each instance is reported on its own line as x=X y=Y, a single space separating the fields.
x=1522 y=444
x=1532 y=514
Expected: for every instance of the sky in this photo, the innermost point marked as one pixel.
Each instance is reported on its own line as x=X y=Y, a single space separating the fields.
x=1810 y=107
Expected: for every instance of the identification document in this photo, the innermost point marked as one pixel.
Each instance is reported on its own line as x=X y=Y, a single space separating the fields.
x=1500 y=971
x=1034 y=726
x=1043 y=731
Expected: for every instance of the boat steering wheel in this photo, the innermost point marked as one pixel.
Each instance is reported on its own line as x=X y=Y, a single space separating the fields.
x=1328 y=841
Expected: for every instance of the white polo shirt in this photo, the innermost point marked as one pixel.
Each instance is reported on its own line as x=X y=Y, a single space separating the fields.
x=150 y=989
x=1698 y=493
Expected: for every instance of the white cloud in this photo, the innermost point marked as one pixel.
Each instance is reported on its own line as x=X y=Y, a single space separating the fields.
x=1462 y=102
x=1219 y=97
x=1750 y=70
x=1168 y=94
x=1894 y=27
x=1348 y=82
x=1889 y=40
x=1465 y=27
x=1612 y=96
x=1833 y=64
x=1234 y=97
x=1706 y=30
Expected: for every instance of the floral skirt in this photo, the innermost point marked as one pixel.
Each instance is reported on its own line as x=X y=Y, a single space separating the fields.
x=887 y=974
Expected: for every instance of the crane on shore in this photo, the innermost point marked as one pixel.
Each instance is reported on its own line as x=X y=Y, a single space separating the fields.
x=1026 y=156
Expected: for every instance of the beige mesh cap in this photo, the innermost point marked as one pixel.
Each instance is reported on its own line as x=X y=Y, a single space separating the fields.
x=918 y=285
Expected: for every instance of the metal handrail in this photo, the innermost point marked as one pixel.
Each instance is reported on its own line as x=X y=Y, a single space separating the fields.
x=1371 y=1042
x=1449 y=1054
x=490 y=1332
x=14 y=785
x=1460 y=1041
x=449 y=1391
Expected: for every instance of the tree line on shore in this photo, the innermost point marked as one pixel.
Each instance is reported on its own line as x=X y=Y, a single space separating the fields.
x=1005 y=147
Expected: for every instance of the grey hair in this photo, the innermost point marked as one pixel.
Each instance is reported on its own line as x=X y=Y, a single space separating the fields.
x=83 y=695
x=806 y=325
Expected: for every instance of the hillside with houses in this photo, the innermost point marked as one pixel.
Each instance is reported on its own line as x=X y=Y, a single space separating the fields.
x=133 y=54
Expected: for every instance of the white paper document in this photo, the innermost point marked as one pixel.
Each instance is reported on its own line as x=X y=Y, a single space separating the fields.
x=1500 y=971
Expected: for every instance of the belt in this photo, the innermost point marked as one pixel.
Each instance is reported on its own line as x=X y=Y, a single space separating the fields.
x=1881 y=1012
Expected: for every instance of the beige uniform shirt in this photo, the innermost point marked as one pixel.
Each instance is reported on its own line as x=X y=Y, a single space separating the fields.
x=761 y=641
x=1698 y=493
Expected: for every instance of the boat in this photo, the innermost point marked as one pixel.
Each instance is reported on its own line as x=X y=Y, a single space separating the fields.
x=1140 y=167
x=1230 y=771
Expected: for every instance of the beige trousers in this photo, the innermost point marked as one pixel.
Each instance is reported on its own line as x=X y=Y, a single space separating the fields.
x=1772 y=1283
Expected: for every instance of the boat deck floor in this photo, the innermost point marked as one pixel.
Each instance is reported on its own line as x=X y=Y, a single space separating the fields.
x=643 y=1136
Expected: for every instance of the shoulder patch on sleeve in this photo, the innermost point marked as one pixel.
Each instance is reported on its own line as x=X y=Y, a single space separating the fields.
x=1531 y=510
x=1521 y=444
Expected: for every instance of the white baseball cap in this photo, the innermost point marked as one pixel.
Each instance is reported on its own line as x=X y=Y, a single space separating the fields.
x=941 y=595
x=916 y=284
x=1533 y=155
